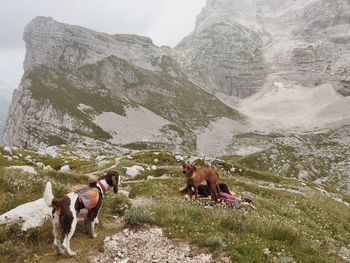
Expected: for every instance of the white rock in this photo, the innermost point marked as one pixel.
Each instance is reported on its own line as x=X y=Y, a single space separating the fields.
x=266 y=251
x=129 y=157
x=65 y=168
x=8 y=150
x=126 y=232
x=40 y=165
x=303 y=175
x=179 y=158
x=47 y=168
x=51 y=151
x=100 y=158
x=28 y=158
x=24 y=168
x=30 y=214
x=154 y=167
x=102 y=163
x=134 y=170
x=155 y=160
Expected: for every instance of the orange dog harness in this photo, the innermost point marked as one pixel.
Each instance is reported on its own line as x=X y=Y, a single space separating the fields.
x=88 y=195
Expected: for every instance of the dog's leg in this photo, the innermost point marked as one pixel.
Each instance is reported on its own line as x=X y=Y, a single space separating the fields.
x=93 y=223
x=66 y=241
x=213 y=192
x=57 y=235
x=189 y=190
x=195 y=192
x=93 y=219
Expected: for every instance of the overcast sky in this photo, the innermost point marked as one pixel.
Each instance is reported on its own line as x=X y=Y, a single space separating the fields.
x=165 y=21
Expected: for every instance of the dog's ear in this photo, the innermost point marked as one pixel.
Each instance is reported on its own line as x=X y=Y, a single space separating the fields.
x=115 y=180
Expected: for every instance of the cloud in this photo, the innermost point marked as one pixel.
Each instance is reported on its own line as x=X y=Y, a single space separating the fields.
x=110 y=16
x=165 y=21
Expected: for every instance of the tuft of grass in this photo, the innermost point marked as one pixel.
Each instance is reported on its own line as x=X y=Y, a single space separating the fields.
x=138 y=216
x=117 y=204
x=217 y=242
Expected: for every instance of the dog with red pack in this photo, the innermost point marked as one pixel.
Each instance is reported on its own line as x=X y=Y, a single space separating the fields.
x=65 y=209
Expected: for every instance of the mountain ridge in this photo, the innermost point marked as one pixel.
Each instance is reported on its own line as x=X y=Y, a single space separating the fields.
x=202 y=88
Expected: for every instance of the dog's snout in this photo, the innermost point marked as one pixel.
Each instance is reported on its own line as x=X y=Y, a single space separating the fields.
x=184 y=172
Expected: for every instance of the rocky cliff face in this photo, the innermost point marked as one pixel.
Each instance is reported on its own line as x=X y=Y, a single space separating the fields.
x=81 y=86
x=224 y=53
x=307 y=42
x=238 y=46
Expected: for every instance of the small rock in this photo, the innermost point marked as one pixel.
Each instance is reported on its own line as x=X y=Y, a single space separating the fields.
x=155 y=160
x=134 y=170
x=65 y=168
x=266 y=251
x=8 y=150
x=40 y=165
x=154 y=167
x=179 y=158
x=27 y=169
x=47 y=168
x=100 y=158
x=126 y=232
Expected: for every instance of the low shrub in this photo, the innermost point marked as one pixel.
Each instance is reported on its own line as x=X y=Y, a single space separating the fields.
x=117 y=204
x=138 y=216
x=216 y=241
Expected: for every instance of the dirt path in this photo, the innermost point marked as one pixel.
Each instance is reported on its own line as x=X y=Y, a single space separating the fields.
x=94 y=175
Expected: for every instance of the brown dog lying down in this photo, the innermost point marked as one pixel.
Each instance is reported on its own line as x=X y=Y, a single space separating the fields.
x=196 y=176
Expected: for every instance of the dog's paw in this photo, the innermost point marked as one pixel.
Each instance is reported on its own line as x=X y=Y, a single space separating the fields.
x=94 y=235
x=72 y=253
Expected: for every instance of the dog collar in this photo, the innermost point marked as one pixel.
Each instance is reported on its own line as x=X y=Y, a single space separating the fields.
x=101 y=187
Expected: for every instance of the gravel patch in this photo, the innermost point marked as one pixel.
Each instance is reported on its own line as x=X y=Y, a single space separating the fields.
x=149 y=246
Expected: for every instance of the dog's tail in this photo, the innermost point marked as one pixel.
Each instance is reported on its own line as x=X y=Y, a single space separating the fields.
x=48 y=195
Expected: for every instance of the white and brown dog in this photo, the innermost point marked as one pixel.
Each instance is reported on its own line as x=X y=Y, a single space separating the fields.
x=65 y=209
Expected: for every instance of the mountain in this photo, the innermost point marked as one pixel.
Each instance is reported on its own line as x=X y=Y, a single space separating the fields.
x=257 y=66
x=4 y=105
x=224 y=52
x=239 y=46
x=81 y=86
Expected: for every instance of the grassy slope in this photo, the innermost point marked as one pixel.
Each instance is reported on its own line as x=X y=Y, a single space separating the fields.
x=320 y=155
x=293 y=220
x=183 y=103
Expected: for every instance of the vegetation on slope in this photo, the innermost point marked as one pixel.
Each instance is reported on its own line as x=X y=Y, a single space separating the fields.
x=295 y=220
x=111 y=84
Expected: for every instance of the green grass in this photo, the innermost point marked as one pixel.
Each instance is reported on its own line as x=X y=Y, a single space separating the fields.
x=148 y=146
x=170 y=97
x=307 y=226
x=138 y=216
